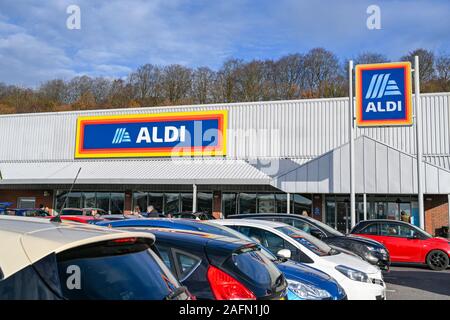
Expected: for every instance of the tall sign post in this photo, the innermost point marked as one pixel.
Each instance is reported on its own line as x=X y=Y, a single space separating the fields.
x=352 y=147
x=383 y=97
x=419 y=150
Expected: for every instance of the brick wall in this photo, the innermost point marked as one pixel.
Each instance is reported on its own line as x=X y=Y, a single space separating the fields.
x=13 y=195
x=436 y=212
x=217 y=204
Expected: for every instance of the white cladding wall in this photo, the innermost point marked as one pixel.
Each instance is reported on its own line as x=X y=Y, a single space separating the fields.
x=378 y=169
x=287 y=129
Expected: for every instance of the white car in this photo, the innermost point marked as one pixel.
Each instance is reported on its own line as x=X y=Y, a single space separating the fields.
x=45 y=260
x=360 y=280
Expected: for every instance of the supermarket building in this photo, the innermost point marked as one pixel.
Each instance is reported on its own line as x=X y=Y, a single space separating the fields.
x=281 y=156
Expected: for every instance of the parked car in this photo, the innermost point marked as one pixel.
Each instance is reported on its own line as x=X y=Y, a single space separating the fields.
x=4 y=206
x=305 y=282
x=27 y=212
x=83 y=212
x=359 y=279
x=370 y=250
x=192 y=215
x=218 y=267
x=406 y=242
x=67 y=261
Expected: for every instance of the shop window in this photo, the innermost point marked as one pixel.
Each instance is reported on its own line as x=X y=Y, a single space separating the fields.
x=171 y=203
x=281 y=202
x=301 y=203
x=266 y=203
x=140 y=200
x=247 y=203
x=156 y=200
x=205 y=202
x=117 y=203
x=88 y=200
x=103 y=200
x=73 y=200
x=331 y=213
x=229 y=203
x=186 y=202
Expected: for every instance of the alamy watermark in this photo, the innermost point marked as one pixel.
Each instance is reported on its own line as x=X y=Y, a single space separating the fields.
x=73 y=21
x=373 y=21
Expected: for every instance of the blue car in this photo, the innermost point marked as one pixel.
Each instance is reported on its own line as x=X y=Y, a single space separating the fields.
x=305 y=282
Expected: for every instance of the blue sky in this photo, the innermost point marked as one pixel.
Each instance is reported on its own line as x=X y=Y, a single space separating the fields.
x=117 y=36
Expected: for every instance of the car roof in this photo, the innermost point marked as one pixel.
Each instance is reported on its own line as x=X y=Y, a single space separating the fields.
x=26 y=240
x=191 y=236
x=382 y=220
x=266 y=223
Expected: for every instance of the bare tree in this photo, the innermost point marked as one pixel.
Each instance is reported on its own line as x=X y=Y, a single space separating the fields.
x=321 y=69
x=426 y=63
x=53 y=90
x=202 y=85
x=225 y=88
x=146 y=82
x=443 y=71
x=370 y=57
x=251 y=81
x=288 y=77
x=176 y=83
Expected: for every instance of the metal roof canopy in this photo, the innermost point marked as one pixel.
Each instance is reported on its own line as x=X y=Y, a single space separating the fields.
x=379 y=169
x=162 y=171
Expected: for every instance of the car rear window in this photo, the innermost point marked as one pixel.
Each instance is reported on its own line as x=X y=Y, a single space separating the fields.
x=255 y=266
x=115 y=271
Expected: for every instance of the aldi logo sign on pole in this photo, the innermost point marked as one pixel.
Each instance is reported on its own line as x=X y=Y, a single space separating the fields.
x=383 y=94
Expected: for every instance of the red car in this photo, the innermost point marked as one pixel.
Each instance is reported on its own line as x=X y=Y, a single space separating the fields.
x=407 y=243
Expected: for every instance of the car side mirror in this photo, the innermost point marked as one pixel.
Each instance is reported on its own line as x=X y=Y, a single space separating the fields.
x=284 y=254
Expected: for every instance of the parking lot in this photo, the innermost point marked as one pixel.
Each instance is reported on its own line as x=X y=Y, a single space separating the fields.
x=417 y=283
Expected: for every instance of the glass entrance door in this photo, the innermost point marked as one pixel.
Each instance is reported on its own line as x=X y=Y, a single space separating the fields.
x=338 y=213
x=342 y=216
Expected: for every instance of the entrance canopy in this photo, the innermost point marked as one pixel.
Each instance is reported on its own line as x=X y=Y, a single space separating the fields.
x=379 y=169
x=161 y=171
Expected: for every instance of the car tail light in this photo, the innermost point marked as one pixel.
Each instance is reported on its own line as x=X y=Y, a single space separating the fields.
x=225 y=287
x=124 y=241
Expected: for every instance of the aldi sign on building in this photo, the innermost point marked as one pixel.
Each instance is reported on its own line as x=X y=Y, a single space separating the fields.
x=152 y=135
x=383 y=94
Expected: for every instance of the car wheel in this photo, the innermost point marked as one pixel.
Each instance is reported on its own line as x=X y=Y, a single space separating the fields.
x=437 y=260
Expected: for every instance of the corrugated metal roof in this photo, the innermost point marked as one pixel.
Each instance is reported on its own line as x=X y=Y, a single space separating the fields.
x=161 y=171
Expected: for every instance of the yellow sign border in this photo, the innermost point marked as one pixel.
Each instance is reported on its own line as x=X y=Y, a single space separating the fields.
x=408 y=97
x=182 y=153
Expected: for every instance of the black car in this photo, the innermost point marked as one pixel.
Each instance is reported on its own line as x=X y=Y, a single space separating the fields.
x=370 y=250
x=219 y=267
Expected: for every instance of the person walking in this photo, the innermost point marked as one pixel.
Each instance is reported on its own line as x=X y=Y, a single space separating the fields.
x=152 y=212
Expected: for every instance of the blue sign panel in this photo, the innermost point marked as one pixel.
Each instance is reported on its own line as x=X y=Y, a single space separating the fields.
x=383 y=94
x=172 y=134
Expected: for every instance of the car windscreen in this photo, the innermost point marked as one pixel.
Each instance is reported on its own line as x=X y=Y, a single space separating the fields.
x=313 y=244
x=115 y=271
x=325 y=227
x=229 y=232
x=255 y=266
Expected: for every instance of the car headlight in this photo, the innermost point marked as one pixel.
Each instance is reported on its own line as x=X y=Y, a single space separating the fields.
x=380 y=250
x=307 y=291
x=353 y=274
